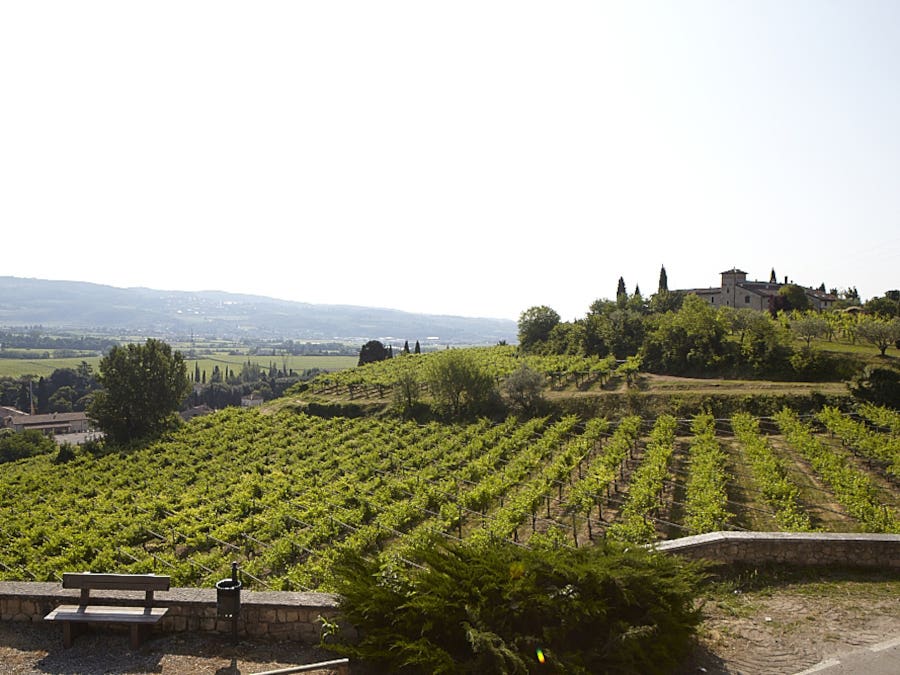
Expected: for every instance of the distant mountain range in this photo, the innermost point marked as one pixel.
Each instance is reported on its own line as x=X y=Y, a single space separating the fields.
x=80 y=306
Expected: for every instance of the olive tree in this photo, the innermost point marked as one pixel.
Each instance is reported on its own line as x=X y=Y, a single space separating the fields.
x=879 y=332
x=808 y=326
x=524 y=387
x=142 y=388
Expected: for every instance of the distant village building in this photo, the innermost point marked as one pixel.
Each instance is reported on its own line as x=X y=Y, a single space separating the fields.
x=736 y=291
x=251 y=401
x=51 y=424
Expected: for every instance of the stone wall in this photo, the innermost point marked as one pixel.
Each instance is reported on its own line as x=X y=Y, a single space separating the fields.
x=871 y=551
x=295 y=616
x=269 y=615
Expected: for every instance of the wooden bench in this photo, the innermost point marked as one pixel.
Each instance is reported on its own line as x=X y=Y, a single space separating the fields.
x=141 y=618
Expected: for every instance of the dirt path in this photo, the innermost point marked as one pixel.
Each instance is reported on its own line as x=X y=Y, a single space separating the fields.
x=36 y=649
x=790 y=629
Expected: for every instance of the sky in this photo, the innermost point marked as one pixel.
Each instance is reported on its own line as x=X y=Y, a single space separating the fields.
x=466 y=158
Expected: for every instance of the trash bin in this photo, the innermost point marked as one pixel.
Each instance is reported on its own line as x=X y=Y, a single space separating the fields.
x=228 y=595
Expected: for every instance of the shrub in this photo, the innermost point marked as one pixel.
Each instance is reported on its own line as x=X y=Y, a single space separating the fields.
x=500 y=608
x=65 y=454
x=28 y=443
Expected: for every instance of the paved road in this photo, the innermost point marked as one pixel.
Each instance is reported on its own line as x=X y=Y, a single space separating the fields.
x=880 y=659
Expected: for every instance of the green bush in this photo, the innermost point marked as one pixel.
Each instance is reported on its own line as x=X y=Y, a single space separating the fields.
x=15 y=446
x=500 y=608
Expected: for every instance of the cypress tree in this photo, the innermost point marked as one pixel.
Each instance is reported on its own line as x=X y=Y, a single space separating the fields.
x=620 y=291
x=663 y=280
x=418 y=349
x=406 y=347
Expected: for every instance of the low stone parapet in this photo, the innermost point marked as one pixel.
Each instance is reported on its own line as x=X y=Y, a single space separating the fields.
x=268 y=615
x=299 y=617
x=812 y=549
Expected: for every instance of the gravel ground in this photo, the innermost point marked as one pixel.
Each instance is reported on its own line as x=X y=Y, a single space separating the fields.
x=30 y=649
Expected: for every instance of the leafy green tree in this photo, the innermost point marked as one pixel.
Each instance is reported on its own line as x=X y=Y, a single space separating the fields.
x=627 y=332
x=879 y=332
x=793 y=296
x=63 y=400
x=608 y=329
x=535 y=324
x=691 y=340
x=23 y=444
x=143 y=387
x=373 y=351
x=407 y=388
x=665 y=301
x=636 y=302
x=765 y=345
x=458 y=383
x=886 y=307
x=566 y=338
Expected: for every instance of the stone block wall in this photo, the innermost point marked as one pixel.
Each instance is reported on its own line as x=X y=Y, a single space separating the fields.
x=266 y=615
x=869 y=551
x=295 y=616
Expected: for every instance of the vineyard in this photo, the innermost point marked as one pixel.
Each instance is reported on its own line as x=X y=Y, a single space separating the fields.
x=375 y=380
x=285 y=494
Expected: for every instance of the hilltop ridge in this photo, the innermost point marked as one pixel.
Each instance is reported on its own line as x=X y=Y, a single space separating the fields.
x=88 y=306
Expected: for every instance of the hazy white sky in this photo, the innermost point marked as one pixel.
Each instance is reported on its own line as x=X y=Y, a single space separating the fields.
x=471 y=158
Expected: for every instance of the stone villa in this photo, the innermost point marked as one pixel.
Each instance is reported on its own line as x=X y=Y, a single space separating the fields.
x=736 y=291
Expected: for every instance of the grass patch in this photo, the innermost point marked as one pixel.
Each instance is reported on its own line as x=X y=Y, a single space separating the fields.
x=724 y=583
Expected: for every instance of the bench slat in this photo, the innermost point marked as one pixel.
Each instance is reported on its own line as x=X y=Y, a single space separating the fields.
x=116 y=582
x=107 y=614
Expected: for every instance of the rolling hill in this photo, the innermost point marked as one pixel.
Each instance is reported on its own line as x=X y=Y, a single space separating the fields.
x=83 y=306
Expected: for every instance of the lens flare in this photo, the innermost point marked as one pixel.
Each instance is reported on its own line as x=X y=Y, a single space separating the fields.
x=540 y=655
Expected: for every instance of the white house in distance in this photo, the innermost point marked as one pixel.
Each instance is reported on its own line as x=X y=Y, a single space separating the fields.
x=736 y=291
x=50 y=424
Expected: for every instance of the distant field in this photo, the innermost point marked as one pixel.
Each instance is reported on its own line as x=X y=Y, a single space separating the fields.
x=44 y=367
x=297 y=363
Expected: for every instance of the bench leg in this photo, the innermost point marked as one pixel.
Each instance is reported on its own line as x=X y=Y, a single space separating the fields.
x=135 y=635
x=67 y=634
